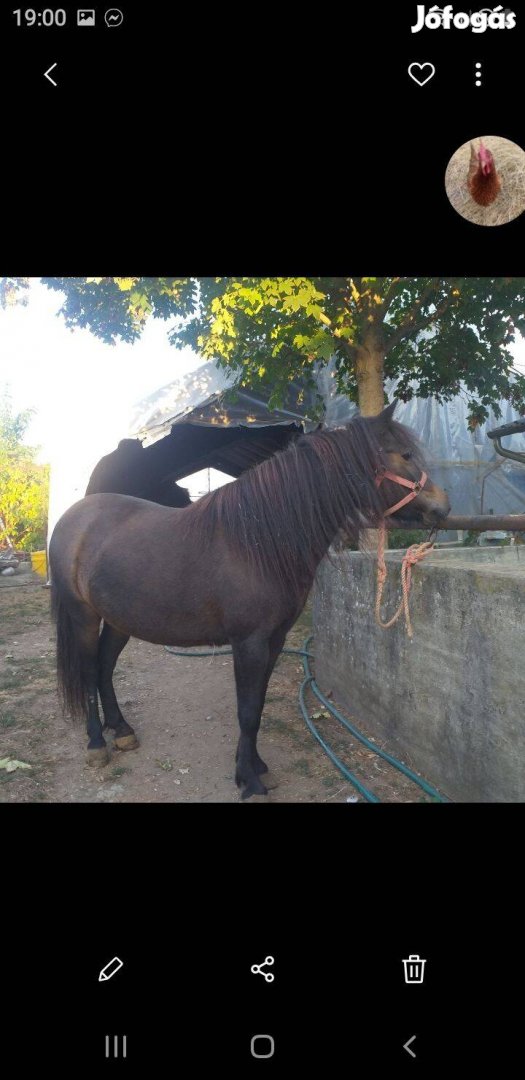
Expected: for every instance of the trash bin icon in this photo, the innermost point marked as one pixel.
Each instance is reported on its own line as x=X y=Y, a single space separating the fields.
x=414 y=969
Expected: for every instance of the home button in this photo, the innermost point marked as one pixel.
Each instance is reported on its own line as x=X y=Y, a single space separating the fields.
x=262 y=1046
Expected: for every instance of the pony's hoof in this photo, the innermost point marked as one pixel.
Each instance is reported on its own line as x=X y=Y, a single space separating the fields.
x=254 y=787
x=126 y=742
x=98 y=756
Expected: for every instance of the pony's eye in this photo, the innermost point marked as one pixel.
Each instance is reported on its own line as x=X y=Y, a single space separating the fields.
x=407 y=455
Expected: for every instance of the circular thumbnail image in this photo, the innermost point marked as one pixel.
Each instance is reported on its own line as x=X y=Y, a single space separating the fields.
x=485 y=180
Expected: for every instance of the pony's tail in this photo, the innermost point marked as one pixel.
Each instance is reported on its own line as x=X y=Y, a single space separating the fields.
x=72 y=686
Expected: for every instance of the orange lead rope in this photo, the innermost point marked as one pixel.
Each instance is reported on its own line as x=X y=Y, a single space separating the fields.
x=412 y=556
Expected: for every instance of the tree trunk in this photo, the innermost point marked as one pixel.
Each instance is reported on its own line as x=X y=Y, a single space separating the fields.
x=370 y=374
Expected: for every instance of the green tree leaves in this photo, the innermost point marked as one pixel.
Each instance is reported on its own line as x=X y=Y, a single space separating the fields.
x=24 y=485
x=434 y=334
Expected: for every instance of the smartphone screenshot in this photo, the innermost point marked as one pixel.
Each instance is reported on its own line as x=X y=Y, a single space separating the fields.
x=262 y=539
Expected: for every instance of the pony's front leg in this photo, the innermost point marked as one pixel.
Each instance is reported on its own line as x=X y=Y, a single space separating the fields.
x=250 y=661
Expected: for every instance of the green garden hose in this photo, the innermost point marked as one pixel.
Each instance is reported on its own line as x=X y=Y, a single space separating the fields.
x=309 y=680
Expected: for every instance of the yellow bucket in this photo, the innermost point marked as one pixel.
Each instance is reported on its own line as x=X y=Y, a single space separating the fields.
x=39 y=562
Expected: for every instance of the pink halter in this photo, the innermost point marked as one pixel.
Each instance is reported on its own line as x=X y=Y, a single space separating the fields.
x=414 y=485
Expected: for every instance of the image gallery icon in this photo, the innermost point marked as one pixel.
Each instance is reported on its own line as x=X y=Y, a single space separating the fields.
x=85 y=17
x=414 y=969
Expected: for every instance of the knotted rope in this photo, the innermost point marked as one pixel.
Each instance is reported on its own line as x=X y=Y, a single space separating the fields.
x=413 y=555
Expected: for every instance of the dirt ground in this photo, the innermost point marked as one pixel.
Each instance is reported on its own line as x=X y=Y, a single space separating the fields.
x=183 y=711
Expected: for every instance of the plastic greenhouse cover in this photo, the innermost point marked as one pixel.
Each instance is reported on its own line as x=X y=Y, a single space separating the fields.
x=477 y=479
x=196 y=398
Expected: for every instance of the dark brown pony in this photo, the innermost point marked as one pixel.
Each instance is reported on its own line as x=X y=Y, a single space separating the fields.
x=235 y=567
x=129 y=470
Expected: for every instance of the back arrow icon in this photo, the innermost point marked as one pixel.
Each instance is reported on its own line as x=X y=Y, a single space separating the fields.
x=406 y=1046
x=48 y=76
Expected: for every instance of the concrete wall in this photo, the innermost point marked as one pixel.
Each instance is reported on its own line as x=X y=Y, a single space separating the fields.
x=451 y=701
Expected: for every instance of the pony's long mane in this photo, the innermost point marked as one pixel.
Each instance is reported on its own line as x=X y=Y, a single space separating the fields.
x=283 y=514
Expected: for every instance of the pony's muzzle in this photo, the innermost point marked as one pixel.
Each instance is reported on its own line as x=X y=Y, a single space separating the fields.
x=434 y=515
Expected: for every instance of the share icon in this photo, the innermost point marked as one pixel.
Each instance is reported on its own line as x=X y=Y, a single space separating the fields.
x=256 y=969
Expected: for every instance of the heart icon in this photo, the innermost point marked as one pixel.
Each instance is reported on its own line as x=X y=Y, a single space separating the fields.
x=421 y=73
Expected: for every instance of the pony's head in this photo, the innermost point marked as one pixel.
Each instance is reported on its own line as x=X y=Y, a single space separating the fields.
x=418 y=502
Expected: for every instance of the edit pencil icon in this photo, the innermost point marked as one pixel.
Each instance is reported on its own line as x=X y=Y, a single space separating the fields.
x=110 y=969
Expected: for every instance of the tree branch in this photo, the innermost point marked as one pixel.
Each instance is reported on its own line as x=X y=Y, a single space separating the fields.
x=407 y=329
x=390 y=292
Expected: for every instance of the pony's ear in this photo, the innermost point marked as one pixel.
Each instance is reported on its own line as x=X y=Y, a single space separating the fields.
x=388 y=413
x=130 y=446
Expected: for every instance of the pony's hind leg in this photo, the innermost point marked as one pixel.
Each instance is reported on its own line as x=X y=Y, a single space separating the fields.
x=87 y=631
x=77 y=628
x=110 y=646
